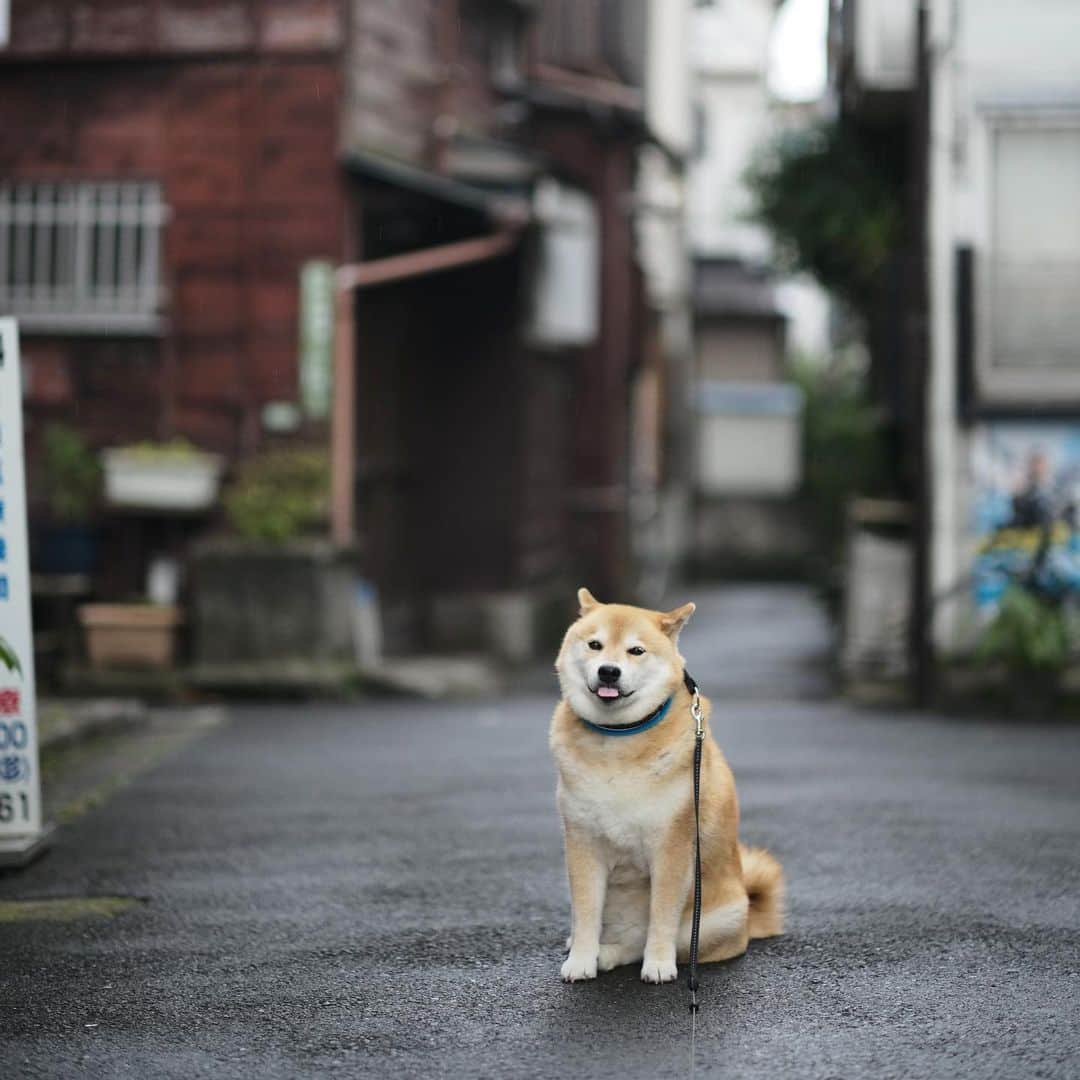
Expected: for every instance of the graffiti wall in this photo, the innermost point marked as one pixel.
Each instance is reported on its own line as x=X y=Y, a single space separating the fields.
x=1027 y=491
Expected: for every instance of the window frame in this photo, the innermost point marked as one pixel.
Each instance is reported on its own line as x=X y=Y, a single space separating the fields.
x=1006 y=390
x=103 y=274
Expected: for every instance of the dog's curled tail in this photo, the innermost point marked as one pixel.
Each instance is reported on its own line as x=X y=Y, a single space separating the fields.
x=764 y=881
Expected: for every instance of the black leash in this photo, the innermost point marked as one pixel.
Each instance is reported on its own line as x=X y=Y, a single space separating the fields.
x=695 y=924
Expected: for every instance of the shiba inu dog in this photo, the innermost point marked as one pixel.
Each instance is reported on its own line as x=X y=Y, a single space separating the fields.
x=623 y=740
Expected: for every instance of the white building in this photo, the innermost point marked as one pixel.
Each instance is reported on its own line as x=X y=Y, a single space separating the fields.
x=730 y=59
x=748 y=463
x=1002 y=238
x=660 y=452
x=1004 y=173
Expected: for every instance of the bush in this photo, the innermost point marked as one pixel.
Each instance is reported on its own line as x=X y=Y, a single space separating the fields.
x=1028 y=635
x=279 y=495
x=845 y=455
x=70 y=474
x=832 y=201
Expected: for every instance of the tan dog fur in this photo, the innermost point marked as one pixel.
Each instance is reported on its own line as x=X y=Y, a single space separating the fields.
x=627 y=808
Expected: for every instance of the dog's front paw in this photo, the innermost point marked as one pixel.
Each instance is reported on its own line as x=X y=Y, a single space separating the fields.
x=658 y=969
x=578 y=966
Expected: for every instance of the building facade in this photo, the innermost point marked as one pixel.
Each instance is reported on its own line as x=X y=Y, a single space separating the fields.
x=1004 y=379
x=987 y=99
x=166 y=168
x=747 y=413
x=478 y=171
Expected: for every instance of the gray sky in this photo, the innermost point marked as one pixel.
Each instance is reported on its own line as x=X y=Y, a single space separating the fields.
x=797 y=60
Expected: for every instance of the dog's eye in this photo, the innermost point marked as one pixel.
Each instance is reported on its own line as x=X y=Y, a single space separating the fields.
x=636 y=650
x=594 y=645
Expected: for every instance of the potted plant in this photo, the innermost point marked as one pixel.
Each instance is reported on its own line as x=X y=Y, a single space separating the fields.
x=130 y=635
x=1030 y=639
x=69 y=477
x=280 y=495
x=173 y=475
x=276 y=589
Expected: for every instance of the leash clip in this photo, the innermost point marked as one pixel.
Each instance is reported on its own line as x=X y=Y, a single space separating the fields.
x=699 y=720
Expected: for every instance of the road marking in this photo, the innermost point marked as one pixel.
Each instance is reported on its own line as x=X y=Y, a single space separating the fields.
x=66 y=908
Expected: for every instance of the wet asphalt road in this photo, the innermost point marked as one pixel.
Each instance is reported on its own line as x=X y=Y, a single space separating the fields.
x=378 y=891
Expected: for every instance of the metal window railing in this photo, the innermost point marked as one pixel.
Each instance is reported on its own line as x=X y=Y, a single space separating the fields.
x=82 y=257
x=603 y=38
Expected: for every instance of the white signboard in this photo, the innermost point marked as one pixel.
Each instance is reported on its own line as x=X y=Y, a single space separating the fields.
x=20 y=790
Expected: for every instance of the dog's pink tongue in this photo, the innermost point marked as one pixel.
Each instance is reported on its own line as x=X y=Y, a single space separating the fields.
x=607 y=692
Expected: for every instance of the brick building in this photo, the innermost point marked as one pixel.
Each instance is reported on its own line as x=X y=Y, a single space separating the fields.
x=167 y=167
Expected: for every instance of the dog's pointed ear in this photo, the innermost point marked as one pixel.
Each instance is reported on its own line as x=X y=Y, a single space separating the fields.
x=671 y=622
x=586 y=601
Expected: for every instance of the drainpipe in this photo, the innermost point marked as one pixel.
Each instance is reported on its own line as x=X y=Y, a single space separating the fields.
x=918 y=348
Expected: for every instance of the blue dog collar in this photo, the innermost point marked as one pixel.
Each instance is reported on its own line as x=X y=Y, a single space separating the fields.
x=631 y=729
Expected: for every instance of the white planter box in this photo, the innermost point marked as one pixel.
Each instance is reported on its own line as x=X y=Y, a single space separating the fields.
x=139 y=481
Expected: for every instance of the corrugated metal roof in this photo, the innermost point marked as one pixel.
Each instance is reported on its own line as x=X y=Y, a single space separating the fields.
x=729 y=287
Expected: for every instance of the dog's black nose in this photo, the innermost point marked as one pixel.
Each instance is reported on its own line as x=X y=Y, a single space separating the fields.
x=609 y=673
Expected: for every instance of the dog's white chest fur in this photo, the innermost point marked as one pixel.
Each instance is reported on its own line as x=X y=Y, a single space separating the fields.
x=631 y=816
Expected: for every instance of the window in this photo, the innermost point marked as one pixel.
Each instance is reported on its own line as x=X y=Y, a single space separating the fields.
x=1028 y=331
x=1035 y=270
x=81 y=257
x=601 y=38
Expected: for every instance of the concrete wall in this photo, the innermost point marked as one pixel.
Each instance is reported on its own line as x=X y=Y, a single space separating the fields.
x=661 y=450
x=750 y=536
x=253 y=603
x=668 y=77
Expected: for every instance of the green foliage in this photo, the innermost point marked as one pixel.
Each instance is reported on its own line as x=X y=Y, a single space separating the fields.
x=844 y=455
x=71 y=474
x=177 y=450
x=279 y=495
x=832 y=201
x=1027 y=635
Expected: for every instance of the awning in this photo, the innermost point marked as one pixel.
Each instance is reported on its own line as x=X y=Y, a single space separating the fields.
x=502 y=206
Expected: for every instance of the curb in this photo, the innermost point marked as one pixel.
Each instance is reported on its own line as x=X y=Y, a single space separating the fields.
x=61 y=723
